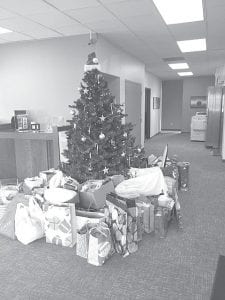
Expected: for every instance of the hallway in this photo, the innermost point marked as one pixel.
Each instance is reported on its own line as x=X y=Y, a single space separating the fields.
x=196 y=250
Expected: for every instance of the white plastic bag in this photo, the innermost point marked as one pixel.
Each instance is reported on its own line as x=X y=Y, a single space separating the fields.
x=148 y=182
x=28 y=223
x=56 y=180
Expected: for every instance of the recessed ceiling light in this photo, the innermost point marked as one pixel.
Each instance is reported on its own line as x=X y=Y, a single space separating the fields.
x=192 y=45
x=4 y=30
x=179 y=66
x=180 y=11
x=185 y=73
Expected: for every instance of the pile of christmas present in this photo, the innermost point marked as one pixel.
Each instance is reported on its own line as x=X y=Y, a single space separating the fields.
x=99 y=217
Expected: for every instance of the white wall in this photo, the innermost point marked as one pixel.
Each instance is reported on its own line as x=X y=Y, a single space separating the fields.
x=155 y=84
x=43 y=76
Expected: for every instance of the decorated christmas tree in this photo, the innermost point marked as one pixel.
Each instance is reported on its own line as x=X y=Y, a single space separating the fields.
x=99 y=143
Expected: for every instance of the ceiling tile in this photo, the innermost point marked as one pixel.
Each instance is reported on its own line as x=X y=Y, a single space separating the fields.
x=28 y=27
x=188 y=31
x=131 y=8
x=53 y=19
x=88 y=15
x=112 y=25
x=5 y=14
x=75 y=29
x=25 y=7
x=73 y=4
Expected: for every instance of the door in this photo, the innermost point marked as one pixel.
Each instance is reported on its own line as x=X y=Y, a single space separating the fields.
x=147 y=112
x=133 y=108
x=214 y=112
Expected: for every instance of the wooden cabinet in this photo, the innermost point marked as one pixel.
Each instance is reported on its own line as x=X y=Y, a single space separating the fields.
x=25 y=154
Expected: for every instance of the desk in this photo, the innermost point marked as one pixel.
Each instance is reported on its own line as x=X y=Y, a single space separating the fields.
x=25 y=154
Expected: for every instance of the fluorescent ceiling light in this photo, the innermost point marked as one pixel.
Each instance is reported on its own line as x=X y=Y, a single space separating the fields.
x=185 y=73
x=180 y=11
x=192 y=45
x=177 y=66
x=4 y=30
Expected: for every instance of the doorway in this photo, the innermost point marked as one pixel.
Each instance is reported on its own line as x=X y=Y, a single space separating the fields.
x=133 y=107
x=147 y=112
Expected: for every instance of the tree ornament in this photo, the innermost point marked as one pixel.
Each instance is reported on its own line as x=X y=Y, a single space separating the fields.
x=74 y=125
x=89 y=130
x=102 y=118
x=95 y=60
x=85 y=91
x=72 y=111
x=123 y=154
x=101 y=136
x=125 y=134
x=105 y=170
x=90 y=154
x=90 y=168
x=79 y=89
x=83 y=139
x=139 y=150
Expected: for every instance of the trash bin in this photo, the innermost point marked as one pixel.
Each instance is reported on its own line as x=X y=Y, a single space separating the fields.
x=183 y=180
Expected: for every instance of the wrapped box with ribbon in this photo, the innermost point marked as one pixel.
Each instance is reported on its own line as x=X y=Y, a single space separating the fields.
x=60 y=224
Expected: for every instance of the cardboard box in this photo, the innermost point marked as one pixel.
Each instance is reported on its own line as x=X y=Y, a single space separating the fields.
x=96 y=198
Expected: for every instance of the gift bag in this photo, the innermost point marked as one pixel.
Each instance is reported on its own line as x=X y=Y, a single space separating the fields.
x=27 y=228
x=82 y=242
x=60 y=224
x=85 y=217
x=100 y=246
x=132 y=228
x=162 y=218
x=116 y=216
x=148 y=213
x=140 y=221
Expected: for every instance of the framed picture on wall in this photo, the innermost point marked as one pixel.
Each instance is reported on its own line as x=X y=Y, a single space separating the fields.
x=156 y=103
x=198 y=101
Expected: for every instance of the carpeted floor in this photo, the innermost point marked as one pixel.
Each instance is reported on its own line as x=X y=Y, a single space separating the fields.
x=181 y=267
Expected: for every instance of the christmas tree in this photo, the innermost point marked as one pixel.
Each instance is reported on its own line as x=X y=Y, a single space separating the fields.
x=99 y=144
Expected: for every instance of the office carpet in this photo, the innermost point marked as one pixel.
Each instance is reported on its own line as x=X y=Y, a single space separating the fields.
x=180 y=267
x=218 y=291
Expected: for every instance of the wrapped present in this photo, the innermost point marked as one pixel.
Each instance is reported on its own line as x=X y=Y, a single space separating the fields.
x=100 y=246
x=148 y=207
x=60 y=224
x=172 y=185
x=93 y=193
x=84 y=217
x=117 y=220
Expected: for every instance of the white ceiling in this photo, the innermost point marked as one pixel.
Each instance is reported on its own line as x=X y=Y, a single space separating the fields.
x=134 y=25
